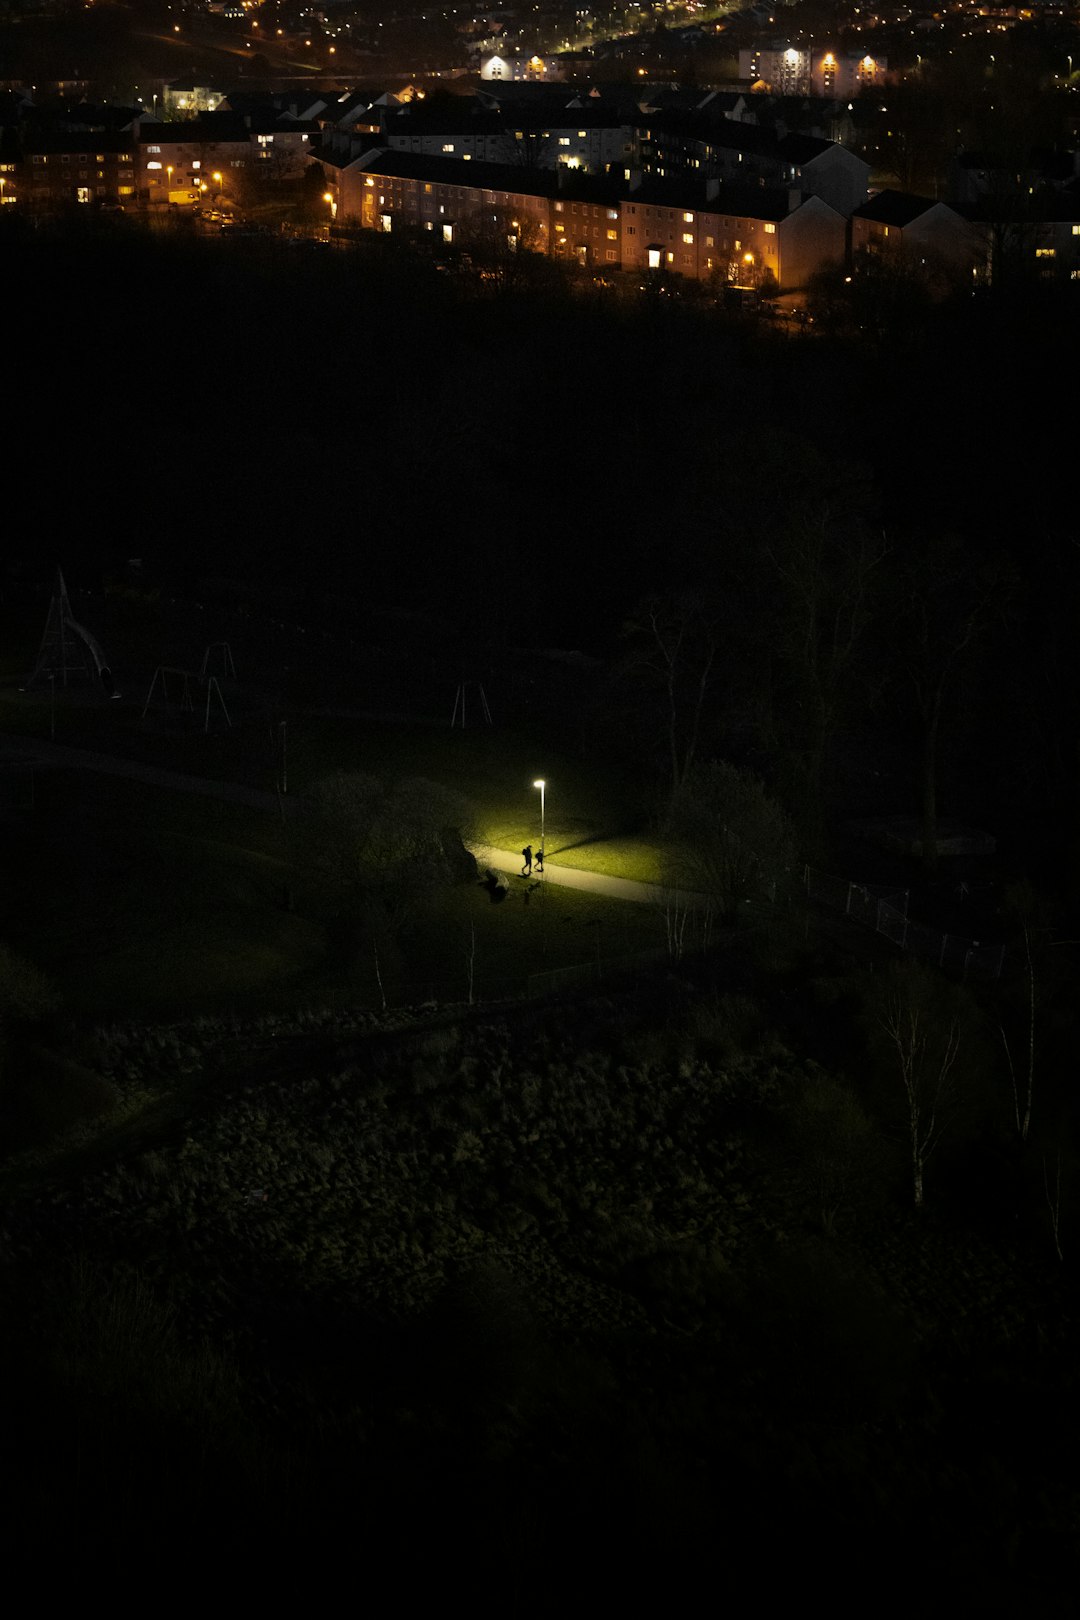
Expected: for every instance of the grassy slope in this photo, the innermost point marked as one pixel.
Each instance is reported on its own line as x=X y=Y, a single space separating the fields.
x=141 y=901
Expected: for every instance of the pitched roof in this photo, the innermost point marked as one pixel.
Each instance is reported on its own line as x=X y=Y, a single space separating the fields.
x=897 y=208
x=460 y=172
x=208 y=127
x=749 y=202
x=769 y=203
x=805 y=148
x=78 y=142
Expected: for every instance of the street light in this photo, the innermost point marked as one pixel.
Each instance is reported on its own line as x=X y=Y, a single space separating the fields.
x=541 y=784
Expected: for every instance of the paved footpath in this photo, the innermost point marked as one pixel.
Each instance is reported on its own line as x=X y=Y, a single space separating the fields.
x=571 y=877
x=16 y=750
x=34 y=751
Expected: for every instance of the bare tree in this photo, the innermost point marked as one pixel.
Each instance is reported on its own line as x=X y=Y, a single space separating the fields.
x=504 y=246
x=925 y=1056
x=825 y=563
x=1023 y=1090
x=380 y=850
x=673 y=642
x=470 y=962
x=833 y=1149
x=676 y=914
x=730 y=842
x=1053 y=1203
x=950 y=600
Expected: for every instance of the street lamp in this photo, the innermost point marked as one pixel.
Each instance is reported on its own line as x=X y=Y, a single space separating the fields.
x=541 y=784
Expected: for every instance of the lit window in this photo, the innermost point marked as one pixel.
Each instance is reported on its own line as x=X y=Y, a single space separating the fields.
x=125 y=191
x=671 y=258
x=581 y=134
x=153 y=165
x=559 y=207
x=1045 y=253
x=448 y=233
x=1076 y=230
x=448 y=146
x=613 y=236
x=99 y=157
x=153 y=148
x=709 y=242
x=688 y=238
x=770 y=230
x=688 y=219
x=196 y=164
x=564 y=140
x=427 y=191
x=613 y=213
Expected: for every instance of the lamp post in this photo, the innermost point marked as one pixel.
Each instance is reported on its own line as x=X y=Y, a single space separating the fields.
x=541 y=784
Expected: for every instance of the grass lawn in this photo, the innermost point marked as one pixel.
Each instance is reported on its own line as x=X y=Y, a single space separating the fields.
x=138 y=901
x=594 y=819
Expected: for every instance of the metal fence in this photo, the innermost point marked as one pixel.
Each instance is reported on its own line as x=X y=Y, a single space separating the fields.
x=885 y=910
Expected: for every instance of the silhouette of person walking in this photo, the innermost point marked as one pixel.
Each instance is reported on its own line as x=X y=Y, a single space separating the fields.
x=540 y=859
x=526 y=855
